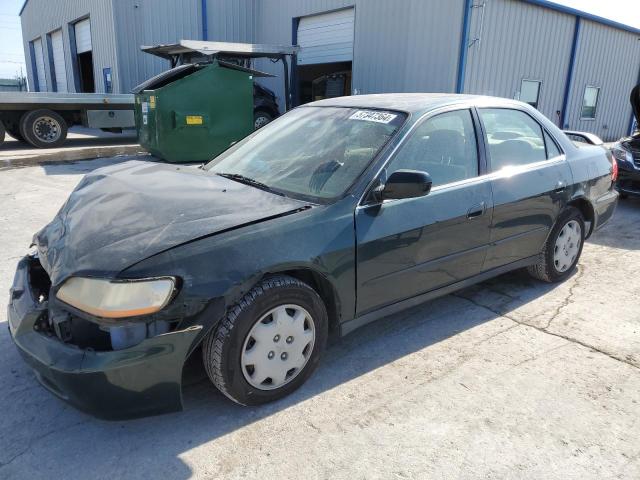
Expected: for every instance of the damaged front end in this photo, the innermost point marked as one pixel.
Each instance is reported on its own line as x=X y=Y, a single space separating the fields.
x=110 y=369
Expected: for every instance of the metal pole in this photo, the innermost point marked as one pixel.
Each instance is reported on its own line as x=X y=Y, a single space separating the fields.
x=287 y=87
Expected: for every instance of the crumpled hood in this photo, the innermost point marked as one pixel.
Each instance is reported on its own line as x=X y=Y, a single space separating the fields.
x=124 y=213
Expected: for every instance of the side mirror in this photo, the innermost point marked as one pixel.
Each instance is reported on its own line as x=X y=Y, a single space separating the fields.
x=406 y=184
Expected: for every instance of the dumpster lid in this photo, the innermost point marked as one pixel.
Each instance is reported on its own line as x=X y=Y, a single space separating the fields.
x=249 y=50
x=165 y=78
x=181 y=71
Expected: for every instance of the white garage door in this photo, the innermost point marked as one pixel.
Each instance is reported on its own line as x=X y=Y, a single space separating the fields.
x=326 y=38
x=59 y=66
x=83 y=36
x=39 y=54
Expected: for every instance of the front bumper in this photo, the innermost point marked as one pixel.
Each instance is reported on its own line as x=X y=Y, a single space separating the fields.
x=137 y=381
x=628 y=180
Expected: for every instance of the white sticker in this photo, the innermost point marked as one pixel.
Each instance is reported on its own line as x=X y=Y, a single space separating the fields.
x=144 y=119
x=145 y=107
x=373 y=116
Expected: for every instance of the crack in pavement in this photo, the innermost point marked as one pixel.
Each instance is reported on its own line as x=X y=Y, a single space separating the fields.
x=544 y=330
x=33 y=441
x=567 y=300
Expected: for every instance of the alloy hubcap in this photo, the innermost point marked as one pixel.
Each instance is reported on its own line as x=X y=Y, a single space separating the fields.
x=260 y=122
x=567 y=246
x=47 y=129
x=278 y=347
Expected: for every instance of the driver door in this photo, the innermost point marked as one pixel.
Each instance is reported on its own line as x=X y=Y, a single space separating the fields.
x=410 y=246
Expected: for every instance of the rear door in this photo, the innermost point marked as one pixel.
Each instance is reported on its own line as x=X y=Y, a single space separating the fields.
x=411 y=246
x=530 y=176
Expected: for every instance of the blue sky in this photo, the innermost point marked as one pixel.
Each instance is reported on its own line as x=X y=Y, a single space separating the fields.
x=12 y=53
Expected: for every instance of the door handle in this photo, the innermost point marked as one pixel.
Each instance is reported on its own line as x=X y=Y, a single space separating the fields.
x=477 y=210
x=560 y=186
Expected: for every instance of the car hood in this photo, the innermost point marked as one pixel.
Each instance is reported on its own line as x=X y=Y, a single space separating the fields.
x=122 y=214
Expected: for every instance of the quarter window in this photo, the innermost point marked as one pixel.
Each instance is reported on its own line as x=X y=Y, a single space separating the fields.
x=552 y=147
x=444 y=146
x=513 y=137
x=530 y=92
x=590 y=103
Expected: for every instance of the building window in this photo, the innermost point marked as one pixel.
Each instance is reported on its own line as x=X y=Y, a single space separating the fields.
x=590 y=103
x=530 y=92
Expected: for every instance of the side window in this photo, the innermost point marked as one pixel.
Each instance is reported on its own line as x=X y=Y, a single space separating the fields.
x=513 y=137
x=552 y=147
x=444 y=146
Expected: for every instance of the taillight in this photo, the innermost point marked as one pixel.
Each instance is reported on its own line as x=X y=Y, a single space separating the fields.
x=614 y=170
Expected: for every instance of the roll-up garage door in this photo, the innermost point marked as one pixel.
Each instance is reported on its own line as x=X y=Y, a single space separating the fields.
x=83 y=36
x=57 y=47
x=39 y=54
x=326 y=38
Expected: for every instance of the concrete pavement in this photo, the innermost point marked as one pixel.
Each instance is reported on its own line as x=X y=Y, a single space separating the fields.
x=512 y=378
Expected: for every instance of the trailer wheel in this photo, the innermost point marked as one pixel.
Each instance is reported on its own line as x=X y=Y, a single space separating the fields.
x=43 y=128
x=1 y=133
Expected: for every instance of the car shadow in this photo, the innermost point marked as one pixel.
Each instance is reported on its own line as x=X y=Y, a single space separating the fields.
x=160 y=442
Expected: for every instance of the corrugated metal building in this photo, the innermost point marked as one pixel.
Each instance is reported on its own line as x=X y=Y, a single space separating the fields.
x=576 y=68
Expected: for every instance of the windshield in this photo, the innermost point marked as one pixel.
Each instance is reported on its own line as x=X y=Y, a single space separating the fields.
x=315 y=152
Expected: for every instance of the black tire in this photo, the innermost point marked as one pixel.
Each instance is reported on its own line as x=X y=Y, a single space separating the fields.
x=43 y=128
x=222 y=348
x=15 y=133
x=2 y=132
x=545 y=268
x=261 y=118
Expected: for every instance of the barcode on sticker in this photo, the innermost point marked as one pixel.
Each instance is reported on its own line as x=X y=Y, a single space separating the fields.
x=373 y=116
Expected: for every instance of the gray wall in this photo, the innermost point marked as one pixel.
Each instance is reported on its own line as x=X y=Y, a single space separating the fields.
x=150 y=22
x=407 y=46
x=43 y=16
x=231 y=21
x=519 y=41
x=610 y=59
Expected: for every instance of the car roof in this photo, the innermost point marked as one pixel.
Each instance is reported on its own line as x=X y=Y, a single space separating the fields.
x=411 y=102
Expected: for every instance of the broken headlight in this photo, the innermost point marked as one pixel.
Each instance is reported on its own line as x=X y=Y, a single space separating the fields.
x=117 y=298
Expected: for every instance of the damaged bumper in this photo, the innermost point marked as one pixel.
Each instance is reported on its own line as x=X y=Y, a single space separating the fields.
x=137 y=381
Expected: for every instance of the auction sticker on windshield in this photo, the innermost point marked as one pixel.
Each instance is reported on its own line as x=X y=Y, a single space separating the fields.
x=373 y=116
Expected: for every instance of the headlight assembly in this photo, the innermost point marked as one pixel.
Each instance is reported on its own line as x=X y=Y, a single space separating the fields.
x=622 y=154
x=117 y=298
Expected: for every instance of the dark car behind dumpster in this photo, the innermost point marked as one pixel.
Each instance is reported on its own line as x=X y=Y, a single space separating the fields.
x=334 y=251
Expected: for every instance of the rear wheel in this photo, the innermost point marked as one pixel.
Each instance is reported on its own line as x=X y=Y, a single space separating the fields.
x=260 y=119
x=43 y=128
x=269 y=343
x=562 y=249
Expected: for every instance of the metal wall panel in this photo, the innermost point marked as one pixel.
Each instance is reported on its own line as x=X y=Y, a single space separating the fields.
x=607 y=58
x=326 y=38
x=511 y=41
x=40 y=17
x=150 y=22
x=231 y=20
x=407 y=46
x=59 y=65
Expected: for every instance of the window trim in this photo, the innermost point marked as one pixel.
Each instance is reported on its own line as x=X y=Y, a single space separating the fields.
x=482 y=163
x=542 y=128
x=595 y=111
x=539 y=82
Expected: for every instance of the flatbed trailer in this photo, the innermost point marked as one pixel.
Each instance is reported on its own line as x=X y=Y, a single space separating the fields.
x=43 y=118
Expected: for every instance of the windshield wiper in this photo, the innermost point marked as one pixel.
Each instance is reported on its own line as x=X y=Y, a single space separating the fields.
x=249 y=181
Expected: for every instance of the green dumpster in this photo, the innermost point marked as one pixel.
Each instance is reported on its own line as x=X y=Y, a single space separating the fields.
x=193 y=112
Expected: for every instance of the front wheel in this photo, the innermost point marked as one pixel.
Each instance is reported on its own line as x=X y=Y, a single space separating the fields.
x=260 y=119
x=269 y=343
x=562 y=249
